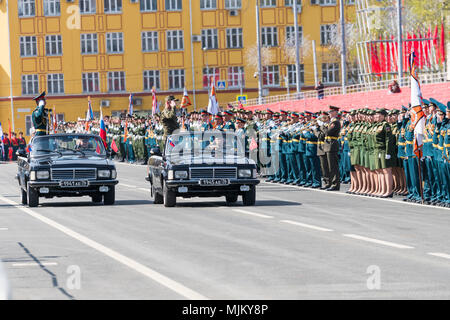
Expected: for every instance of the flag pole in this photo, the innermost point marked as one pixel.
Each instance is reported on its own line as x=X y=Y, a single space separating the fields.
x=420 y=177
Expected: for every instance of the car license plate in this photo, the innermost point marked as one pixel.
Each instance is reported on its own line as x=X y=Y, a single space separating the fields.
x=214 y=182
x=74 y=184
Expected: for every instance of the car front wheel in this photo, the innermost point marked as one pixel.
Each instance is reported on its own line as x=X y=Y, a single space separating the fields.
x=232 y=198
x=33 y=197
x=249 y=197
x=110 y=197
x=170 y=198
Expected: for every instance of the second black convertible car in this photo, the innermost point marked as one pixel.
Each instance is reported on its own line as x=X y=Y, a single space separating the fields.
x=202 y=164
x=66 y=165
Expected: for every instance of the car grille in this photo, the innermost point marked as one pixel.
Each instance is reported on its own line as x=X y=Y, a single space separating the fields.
x=74 y=174
x=202 y=173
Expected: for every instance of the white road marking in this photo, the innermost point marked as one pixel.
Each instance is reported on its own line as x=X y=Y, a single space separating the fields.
x=259 y=215
x=4 y=229
x=146 y=271
x=127 y=185
x=306 y=225
x=35 y=264
x=382 y=242
x=144 y=189
x=440 y=255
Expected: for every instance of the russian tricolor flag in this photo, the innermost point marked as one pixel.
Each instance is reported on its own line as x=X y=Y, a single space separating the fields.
x=130 y=105
x=102 y=129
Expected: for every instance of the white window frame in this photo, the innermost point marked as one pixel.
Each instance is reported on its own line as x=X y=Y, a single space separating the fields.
x=88 y=6
x=269 y=36
x=89 y=41
x=150 y=41
x=235 y=38
x=149 y=5
x=151 y=79
x=30 y=84
x=52 y=8
x=28 y=124
x=350 y=2
x=175 y=40
x=55 y=83
x=90 y=82
x=53 y=45
x=208 y=4
x=268 y=3
x=291 y=30
x=116 y=81
x=290 y=3
x=330 y=73
x=274 y=71
x=176 y=76
x=28 y=46
x=174 y=5
x=26 y=8
x=292 y=74
x=114 y=42
x=208 y=73
x=233 y=77
x=327 y=3
x=326 y=33
x=210 y=39
x=233 y=4
x=113 y=6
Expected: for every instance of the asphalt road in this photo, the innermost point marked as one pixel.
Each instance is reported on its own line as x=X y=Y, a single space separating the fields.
x=295 y=243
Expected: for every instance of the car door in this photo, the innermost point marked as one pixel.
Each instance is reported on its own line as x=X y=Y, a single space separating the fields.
x=23 y=171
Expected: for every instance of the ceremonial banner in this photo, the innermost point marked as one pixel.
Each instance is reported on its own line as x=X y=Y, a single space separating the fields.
x=213 y=105
x=417 y=114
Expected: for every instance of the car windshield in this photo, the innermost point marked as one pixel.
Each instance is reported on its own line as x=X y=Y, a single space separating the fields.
x=68 y=144
x=215 y=143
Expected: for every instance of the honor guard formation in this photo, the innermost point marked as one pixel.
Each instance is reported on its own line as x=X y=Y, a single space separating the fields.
x=372 y=149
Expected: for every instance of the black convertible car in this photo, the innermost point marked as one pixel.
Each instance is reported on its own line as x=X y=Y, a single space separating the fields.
x=66 y=165
x=202 y=164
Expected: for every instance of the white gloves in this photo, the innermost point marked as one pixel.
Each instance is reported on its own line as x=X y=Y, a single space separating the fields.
x=387 y=157
x=319 y=122
x=41 y=103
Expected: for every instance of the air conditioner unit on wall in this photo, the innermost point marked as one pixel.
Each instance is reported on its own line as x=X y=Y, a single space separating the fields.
x=233 y=13
x=104 y=103
x=196 y=38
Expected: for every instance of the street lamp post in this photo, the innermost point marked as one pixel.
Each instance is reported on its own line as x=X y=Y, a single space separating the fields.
x=258 y=39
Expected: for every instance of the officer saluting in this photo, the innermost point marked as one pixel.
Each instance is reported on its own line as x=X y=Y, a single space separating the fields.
x=331 y=148
x=39 y=115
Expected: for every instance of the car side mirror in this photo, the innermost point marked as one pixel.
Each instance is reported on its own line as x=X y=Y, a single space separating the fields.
x=21 y=153
x=155 y=152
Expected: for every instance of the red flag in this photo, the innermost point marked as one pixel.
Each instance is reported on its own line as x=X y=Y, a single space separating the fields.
x=442 y=44
x=394 y=54
x=415 y=44
x=426 y=49
x=435 y=44
x=10 y=136
x=114 y=146
x=10 y=153
x=382 y=57
x=375 y=61
x=388 y=57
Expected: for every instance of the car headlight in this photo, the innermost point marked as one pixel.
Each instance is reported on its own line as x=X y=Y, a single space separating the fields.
x=181 y=174
x=42 y=174
x=104 y=173
x=33 y=175
x=245 y=173
x=170 y=175
x=113 y=174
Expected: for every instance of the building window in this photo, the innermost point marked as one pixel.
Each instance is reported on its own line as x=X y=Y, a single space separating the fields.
x=271 y=76
x=269 y=36
x=27 y=8
x=176 y=79
x=114 y=42
x=236 y=78
x=233 y=4
x=87 y=6
x=55 y=83
x=149 y=5
x=116 y=81
x=330 y=73
x=28 y=46
x=209 y=39
x=113 y=6
x=173 y=5
x=53 y=45
x=28 y=125
x=91 y=82
x=350 y=2
x=208 y=4
x=175 y=40
x=292 y=74
x=234 y=38
x=327 y=2
x=89 y=43
x=268 y=3
x=151 y=79
x=52 y=8
x=30 y=84
x=290 y=34
x=326 y=34
x=208 y=74
x=290 y=3
x=149 y=41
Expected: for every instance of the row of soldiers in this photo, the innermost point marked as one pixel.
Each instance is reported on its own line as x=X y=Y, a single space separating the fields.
x=10 y=145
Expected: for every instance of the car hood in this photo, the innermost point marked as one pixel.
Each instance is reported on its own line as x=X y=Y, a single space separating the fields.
x=209 y=160
x=72 y=161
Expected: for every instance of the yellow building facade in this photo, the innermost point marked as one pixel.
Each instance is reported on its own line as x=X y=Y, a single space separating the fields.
x=107 y=49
